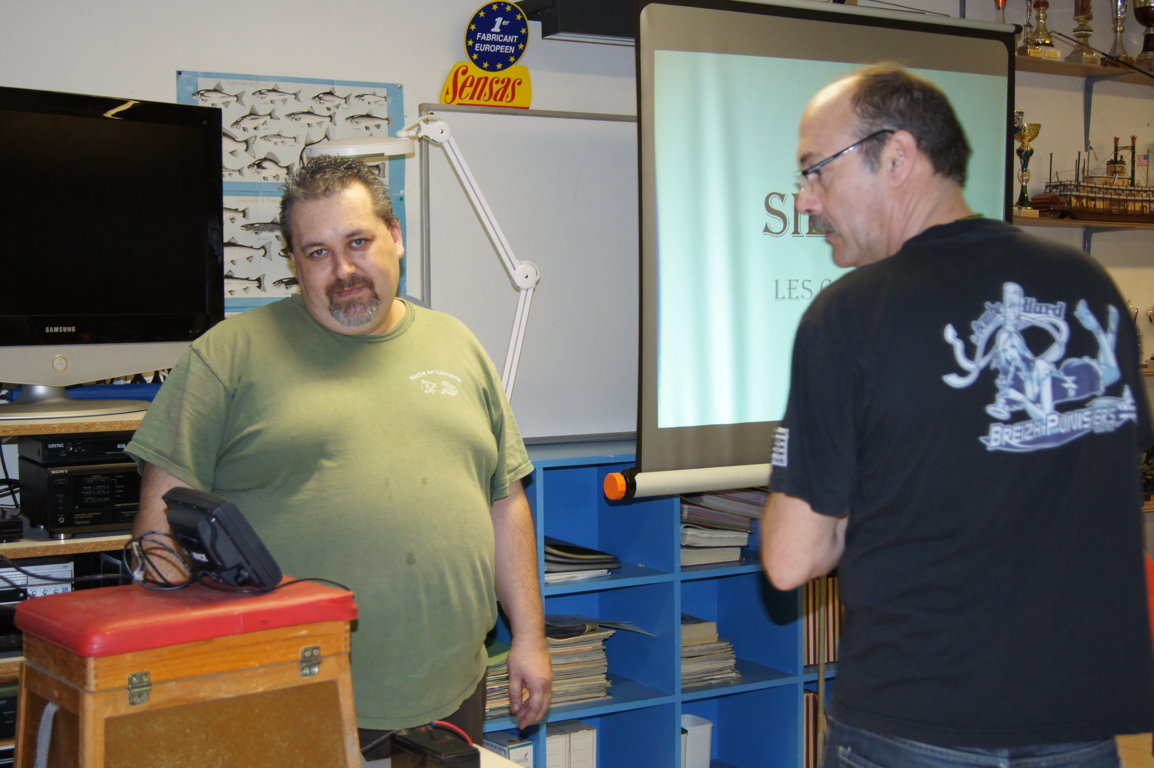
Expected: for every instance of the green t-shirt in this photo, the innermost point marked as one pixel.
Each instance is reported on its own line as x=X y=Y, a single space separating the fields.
x=368 y=460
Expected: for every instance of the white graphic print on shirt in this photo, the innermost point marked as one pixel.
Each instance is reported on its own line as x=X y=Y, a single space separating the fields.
x=1035 y=383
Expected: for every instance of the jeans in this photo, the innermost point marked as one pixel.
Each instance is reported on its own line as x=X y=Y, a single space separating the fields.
x=853 y=748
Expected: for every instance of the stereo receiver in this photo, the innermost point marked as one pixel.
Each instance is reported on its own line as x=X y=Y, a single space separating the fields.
x=78 y=483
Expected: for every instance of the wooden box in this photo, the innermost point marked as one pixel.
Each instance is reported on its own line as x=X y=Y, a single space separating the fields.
x=126 y=676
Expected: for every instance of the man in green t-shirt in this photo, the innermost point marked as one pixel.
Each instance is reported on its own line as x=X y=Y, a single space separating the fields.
x=369 y=442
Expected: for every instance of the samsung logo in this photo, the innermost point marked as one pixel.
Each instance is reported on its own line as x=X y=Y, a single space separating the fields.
x=60 y=329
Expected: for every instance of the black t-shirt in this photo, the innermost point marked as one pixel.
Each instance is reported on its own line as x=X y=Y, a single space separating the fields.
x=974 y=403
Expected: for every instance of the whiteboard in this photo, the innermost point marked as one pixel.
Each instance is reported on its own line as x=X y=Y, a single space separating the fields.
x=563 y=188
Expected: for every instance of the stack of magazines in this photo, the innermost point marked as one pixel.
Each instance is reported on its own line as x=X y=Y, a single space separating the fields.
x=565 y=561
x=706 y=659
x=580 y=666
x=715 y=527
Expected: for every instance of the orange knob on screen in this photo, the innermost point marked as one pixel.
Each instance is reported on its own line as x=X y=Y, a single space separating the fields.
x=615 y=486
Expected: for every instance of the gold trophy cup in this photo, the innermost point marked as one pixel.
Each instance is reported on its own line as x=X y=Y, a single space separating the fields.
x=1024 y=133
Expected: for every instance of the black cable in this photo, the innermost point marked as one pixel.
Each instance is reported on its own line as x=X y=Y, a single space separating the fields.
x=8 y=563
x=376 y=742
x=147 y=563
x=12 y=484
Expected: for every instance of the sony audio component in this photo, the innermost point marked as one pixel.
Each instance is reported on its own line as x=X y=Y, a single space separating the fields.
x=78 y=483
x=84 y=498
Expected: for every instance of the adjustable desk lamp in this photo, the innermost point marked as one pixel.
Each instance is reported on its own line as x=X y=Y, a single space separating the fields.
x=523 y=275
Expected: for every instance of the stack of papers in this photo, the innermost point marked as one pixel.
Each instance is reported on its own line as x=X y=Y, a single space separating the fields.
x=565 y=561
x=716 y=526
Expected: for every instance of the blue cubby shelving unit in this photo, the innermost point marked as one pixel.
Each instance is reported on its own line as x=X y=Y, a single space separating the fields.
x=757 y=721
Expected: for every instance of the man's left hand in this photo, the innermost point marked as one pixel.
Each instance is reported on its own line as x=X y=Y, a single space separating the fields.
x=530 y=682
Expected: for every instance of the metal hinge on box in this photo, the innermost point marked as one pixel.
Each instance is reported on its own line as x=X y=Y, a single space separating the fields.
x=310 y=661
x=139 y=688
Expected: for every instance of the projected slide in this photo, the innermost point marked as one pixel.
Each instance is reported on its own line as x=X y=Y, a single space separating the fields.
x=738 y=267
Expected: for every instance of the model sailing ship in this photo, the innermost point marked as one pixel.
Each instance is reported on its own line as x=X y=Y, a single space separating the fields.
x=1112 y=196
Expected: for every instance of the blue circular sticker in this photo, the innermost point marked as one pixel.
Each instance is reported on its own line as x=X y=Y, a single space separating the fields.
x=496 y=36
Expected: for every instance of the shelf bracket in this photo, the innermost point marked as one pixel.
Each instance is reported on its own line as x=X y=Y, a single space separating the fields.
x=1088 y=102
x=1089 y=232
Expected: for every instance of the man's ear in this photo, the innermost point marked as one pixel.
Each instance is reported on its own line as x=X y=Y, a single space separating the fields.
x=396 y=232
x=900 y=156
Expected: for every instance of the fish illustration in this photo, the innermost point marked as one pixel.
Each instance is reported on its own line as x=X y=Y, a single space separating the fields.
x=368 y=121
x=234 y=146
x=253 y=120
x=235 y=252
x=216 y=97
x=301 y=158
x=274 y=95
x=284 y=282
x=329 y=100
x=268 y=168
x=231 y=173
x=234 y=285
x=262 y=227
x=310 y=118
x=232 y=214
x=278 y=139
x=372 y=99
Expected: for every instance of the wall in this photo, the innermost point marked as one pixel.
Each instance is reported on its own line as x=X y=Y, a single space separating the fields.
x=133 y=48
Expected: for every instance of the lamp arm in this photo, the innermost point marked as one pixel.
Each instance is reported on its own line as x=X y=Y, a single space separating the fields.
x=436 y=131
x=523 y=275
x=517 y=338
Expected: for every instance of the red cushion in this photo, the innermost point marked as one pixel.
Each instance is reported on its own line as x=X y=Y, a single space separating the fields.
x=114 y=620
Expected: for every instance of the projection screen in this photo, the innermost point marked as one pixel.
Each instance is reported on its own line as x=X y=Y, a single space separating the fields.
x=726 y=267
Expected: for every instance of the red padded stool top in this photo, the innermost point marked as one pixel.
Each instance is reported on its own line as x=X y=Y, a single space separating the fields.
x=114 y=620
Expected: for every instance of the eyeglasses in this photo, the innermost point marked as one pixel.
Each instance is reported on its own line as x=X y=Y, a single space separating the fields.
x=803 y=180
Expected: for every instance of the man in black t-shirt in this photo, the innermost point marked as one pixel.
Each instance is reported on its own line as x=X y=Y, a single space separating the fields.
x=962 y=441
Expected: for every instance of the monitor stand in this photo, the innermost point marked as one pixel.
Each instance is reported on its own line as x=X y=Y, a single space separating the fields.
x=44 y=402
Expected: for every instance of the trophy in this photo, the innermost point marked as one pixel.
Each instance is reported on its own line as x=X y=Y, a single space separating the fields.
x=1000 y=11
x=1083 y=53
x=1024 y=133
x=1029 y=46
x=1118 y=55
x=1144 y=12
x=1042 y=30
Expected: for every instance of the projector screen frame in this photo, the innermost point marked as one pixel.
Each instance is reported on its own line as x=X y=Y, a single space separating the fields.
x=659 y=448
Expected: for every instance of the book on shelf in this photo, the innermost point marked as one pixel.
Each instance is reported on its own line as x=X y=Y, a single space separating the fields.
x=567 y=624
x=714 y=518
x=709 y=555
x=701 y=536
x=578 y=661
x=695 y=630
x=824 y=615
x=564 y=577
x=706 y=658
x=576 y=744
x=708 y=664
x=565 y=561
x=746 y=502
x=580 y=666
x=812 y=728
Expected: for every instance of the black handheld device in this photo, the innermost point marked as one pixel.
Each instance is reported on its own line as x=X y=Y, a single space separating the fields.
x=219 y=539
